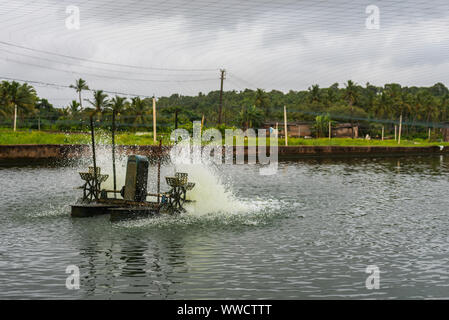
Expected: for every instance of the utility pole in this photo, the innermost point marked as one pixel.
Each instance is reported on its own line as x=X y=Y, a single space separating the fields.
x=220 y=108
x=15 y=117
x=285 y=126
x=202 y=123
x=154 y=119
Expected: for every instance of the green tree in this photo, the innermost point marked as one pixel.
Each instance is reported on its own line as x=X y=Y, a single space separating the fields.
x=79 y=86
x=118 y=104
x=20 y=98
x=139 y=108
x=351 y=94
x=250 y=117
x=262 y=101
x=100 y=101
x=315 y=94
x=74 y=108
x=322 y=125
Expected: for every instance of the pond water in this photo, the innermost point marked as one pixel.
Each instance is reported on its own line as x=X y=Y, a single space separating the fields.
x=308 y=232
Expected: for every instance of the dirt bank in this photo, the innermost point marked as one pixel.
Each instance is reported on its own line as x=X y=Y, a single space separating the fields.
x=52 y=151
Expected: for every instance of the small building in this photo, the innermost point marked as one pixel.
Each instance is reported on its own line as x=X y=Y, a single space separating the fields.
x=295 y=129
x=345 y=130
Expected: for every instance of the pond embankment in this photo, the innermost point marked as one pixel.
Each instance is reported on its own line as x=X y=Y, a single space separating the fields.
x=65 y=151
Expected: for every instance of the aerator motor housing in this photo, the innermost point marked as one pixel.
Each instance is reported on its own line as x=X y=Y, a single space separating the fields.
x=135 y=188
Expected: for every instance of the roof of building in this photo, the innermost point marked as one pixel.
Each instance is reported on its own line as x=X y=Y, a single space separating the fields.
x=345 y=125
x=281 y=123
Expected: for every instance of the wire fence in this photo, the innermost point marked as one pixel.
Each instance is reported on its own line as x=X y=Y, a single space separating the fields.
x=81 y=123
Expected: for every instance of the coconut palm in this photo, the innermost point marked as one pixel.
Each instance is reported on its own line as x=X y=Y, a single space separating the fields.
x=4 y=112
x=173 y=110
x=79 y=86
x=74 y=107
x=251 y=116
x=314 y=92
x=100 y=101
x=262 y=101
x=140 y=108
x=118 y=104
x=322 y=124
x=18 y=97
x=351 y=94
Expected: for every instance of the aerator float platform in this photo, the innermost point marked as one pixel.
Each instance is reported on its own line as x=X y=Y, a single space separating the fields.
x=131 y=200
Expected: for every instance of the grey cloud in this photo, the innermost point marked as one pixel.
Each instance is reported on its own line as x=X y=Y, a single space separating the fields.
x=286 y=44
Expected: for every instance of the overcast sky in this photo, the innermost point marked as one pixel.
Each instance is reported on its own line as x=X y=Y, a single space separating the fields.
x=162 y=47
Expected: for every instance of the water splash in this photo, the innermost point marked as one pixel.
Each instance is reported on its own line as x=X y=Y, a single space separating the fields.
x=212 y=197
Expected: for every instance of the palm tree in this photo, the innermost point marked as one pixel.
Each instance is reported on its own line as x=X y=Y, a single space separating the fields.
x=172 y=110
x=394 y=92
x=79 y=86
x=251 y=116
x=314 y=92
x=351 y=94
x=118 y=104
x=100 y=101
x=332 y=94
x=140 y=108
x=4 y=103
x=73 y=107
x=262 y=101
x=18 y=96
x=322 y=124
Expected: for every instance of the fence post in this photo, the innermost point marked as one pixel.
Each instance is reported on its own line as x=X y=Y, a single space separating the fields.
x=285 y=126
x=15 y=117
x=154 y=120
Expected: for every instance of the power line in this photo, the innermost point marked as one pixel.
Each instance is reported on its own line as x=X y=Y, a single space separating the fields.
x=103 y=76
x=102 y=62
x=81 y=66
x=66 y=86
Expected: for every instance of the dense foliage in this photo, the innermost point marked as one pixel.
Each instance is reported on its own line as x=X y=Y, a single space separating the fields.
x=369 y=106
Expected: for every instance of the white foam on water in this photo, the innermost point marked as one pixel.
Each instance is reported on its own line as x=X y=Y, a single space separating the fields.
x=210 y=194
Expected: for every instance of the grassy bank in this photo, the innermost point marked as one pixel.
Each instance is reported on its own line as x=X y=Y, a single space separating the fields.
x=8 y=137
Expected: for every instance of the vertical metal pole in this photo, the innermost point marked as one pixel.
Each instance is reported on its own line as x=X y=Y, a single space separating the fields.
x=285 y=126
x=202 y=123
x=176 y=118
x=93 y=155
x=15 y=117
x=400 y=129
x=330 y=130
x=113 y=152
x=383 y=132
x=154 y=119
x=159 y=171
